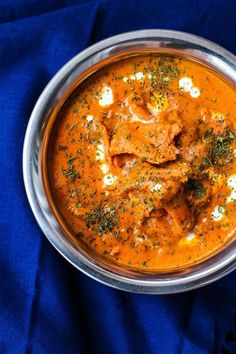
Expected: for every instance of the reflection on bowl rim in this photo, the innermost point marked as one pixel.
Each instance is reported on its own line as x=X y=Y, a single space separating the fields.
x=50 y=102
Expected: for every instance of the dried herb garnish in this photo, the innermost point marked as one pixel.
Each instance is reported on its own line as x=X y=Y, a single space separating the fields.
x=161 y=72
x=102 y=220
x=70 y=171
x=197 y=188
x=220 y=152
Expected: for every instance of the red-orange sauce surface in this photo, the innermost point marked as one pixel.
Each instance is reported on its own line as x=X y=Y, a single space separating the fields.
x=141 y=162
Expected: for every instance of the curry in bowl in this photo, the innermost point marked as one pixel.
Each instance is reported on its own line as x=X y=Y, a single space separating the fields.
x=141 y=162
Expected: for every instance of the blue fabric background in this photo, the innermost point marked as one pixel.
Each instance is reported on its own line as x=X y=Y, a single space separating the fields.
x=46 y=306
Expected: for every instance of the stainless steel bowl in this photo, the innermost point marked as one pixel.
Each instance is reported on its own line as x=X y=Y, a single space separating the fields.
x=165 y=41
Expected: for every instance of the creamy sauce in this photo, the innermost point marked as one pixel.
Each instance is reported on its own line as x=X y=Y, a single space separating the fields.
x=142 y=165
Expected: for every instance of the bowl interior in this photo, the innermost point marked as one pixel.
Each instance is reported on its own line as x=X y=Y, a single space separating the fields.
x=35 y=166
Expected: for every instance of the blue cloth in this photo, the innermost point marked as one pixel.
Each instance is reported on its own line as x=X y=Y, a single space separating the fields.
x=47 y=306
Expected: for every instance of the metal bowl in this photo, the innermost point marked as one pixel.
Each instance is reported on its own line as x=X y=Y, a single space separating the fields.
x=53 y=96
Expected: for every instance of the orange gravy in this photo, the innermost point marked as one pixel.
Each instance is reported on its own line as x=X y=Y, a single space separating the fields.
x=141 y=162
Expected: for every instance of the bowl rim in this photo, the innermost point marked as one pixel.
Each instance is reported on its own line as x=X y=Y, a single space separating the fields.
x=188 y=282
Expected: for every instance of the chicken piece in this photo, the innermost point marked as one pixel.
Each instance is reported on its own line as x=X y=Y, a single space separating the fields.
x=147 y=136
x=153 y=104
x=147 y=109
x=156 y=194
x=149 y=189
x=194 y=154
x=152 y=142
x=180 y=217
x=140 y=114
x=150 y=108
x=167 y=225
x=159 y=184
x=192 y=149
x=155 y=232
